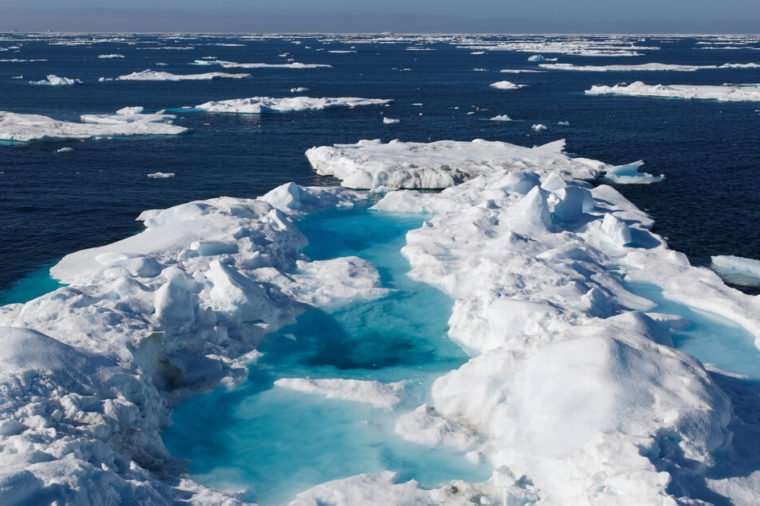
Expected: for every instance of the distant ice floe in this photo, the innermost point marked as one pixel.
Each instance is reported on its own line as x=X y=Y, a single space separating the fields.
x=506 y=85
x=235 y=65
x=630 y=174
x=127 y=121
x=22 y=60
x=737 y=270
x=390 y=121
x=520 y=71
x=538 y=127
x=153 y=75
x=500 y=117
x=257 y=105
x=371 y=164
x=724 y=93
x=577 y=46
x=54 y=80
x=299 y=89
x=112 y=56
x=646 y=67
x=381 y=395
x=161 y=175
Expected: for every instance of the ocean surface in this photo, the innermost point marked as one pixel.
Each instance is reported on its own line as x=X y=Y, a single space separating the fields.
x=54 y=203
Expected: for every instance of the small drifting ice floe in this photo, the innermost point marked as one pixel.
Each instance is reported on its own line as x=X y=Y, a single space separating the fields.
x=500 y=117
x=152 y=75
x=630 y=174
x=161 y=175
x=235 y=65
x=563 y=123
x=299 y=89
x=65 y=149
x=390 y=121
x=258 y=105
x=113 y=56
x=54 y=80
x=737 y=270
x=538 y=127
x=506 y=85
x=723 y=93
x=17 y=127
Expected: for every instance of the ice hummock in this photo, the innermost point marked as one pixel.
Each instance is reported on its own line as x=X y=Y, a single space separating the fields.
x=17 y=127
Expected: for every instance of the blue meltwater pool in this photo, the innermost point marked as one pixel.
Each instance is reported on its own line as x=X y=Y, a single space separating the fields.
x=272 y=442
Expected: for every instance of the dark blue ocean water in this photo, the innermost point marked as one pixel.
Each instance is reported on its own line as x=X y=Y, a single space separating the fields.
x=53 y=203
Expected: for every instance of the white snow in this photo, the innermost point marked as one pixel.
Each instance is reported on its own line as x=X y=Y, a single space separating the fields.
x=152 y=75
x=54 y=80
x=737 y=270
x=724 y=93
x=380 y=395
x=257 y=105
x=506 y=85
x=126 y=121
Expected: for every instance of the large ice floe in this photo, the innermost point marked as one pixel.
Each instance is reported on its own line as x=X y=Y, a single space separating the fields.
x=723 y=93
x=257 y=105
x=16 y=127
x=573 y=391
x=371 y=164
x=153 y=75
x=646 y=67
x=236 y=65
x=54 y=80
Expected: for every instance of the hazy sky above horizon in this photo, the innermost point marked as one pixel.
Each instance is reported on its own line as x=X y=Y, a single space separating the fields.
x=383 y=15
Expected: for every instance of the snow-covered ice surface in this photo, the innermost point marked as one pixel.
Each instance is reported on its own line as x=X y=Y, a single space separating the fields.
x=16 y=127
x=737 y=270
x=237 y=65
x=257 y=105
x=506 y=85
x=724 y=93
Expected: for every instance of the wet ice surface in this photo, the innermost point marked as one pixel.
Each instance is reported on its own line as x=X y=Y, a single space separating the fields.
x=275 y=442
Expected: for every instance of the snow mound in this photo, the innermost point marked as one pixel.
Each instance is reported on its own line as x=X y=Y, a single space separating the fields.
x=258 y=105
x=127 y=121
x=380 y=395
x=724 y=93
x=737 y=270
x=371 y=164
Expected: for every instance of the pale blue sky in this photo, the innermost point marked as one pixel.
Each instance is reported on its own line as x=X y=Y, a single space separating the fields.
x=383 y=15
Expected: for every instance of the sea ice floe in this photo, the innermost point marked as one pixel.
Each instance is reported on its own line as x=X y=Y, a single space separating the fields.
x=153 y=75
x=111 y=56
x=500 y=117
x=371 y=164
x=630 y=174
x=236 y=65
x=161 y=175
x=737 y=270
x=390 y=121
x=724 y=93
x=257 y=105
x=54 y=80
x=538 y=127
x=646 y=67
x=127 y=121
x=506 y=85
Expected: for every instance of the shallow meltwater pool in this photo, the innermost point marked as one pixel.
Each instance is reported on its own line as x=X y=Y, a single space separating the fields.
x=708 y=337
x=273 y=442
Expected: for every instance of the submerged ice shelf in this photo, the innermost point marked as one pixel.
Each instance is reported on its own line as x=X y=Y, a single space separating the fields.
x=275 y=442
